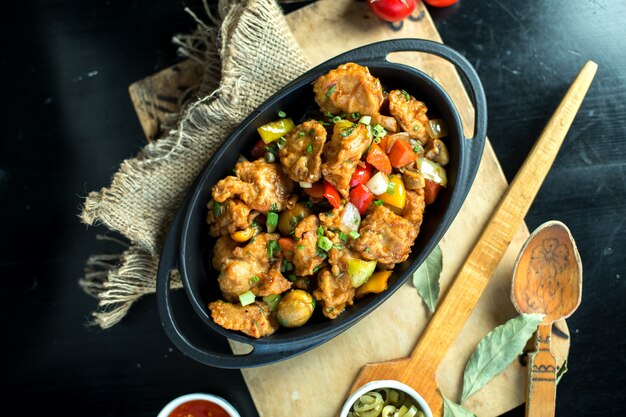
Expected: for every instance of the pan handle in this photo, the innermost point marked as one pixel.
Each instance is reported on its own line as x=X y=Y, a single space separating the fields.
x=379 y=52
x=262 y=354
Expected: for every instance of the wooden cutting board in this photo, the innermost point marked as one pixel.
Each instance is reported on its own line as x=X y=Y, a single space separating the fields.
x=316 y=383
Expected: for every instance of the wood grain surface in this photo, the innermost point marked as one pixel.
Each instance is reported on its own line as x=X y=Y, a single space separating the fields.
x=317 y=382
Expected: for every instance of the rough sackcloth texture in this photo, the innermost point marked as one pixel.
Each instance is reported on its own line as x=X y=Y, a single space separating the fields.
x=240 y=72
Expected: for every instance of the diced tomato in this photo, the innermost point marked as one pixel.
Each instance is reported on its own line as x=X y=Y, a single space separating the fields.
x=361 y=175
x=401 y=154
x=258 y=151
x=377 y=157
x=287 y=245
x=316 y=191
x=361 y=197
x=332 y=195
x=431 y=190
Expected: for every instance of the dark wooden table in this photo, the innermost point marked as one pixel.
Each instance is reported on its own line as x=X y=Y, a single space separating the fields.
x=67 y=122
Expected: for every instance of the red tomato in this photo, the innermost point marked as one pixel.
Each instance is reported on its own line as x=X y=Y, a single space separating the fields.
x=316 y=191
x=392 y=10
x=361 y=197
x=258 y=151
x=431 y=190
x=332 y=195
x=361 y=175
x=440 y=3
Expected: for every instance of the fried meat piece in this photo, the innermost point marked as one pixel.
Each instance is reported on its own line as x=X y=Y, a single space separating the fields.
x=254 y=319
x=233 y=215
x=335 y=292
x=250 y=268
x=343 y=152
x=261 y=185
x=301 y=157
x=305 y=258
x=385 y=237
x=410 y=114
x=388 y=122
x=350 y=89
x=414 y=208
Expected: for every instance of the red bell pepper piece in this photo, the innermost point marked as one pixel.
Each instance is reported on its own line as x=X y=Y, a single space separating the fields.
x=431 y=190
x=259 y=149
x=361 y=176
x=401 y=154
x=361 y=197
x=377 y=157
x=332 y=195
x=316 y=191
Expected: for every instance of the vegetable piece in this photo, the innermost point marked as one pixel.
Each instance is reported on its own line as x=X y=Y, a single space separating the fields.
x=376 y=284
x=290 y=218
x=392 y=10
x=324 y=243
x=360 y=271
x=272 y=301
x=295 y=309
x=246 y=298
x=258 y=151
x=431 y=191
x=440 y=3
x=361 y=197
x=305 y=184
x=366 y=120
x=243 y=235
x=274 y=130
x=437 y=128
x=426 y=278
x=287 y=246
x=361 y=176
x=378 y=184
x=497 y=350
x=271 y=222
x=401 y=154
x=432 y=171
x=350 y=219
x=396 y=194
x=316 y=190
x=331 y=194
x=377 y=157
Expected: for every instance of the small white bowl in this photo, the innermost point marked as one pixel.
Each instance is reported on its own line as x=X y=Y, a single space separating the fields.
x=165 y=412
x=397 y=385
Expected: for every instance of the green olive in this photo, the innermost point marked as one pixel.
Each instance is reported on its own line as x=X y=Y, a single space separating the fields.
x=290 y=218
x=295 y=309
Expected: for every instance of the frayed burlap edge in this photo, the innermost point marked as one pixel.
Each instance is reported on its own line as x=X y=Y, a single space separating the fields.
x=119 y=280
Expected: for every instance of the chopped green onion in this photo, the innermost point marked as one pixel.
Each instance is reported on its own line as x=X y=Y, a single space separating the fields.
x=269 y=157
x=272 y=247
x=246 y=298
x=344 y=236
x=281 y=142
x=336 y=119
x=406 y=95
x=320 y=231
x=355 y=115
x=324 y=243
x=272 y=300
x=337 y=246
x=272 y=221
x=331 y=90
x=309 y=204
x=354 y=234
x=301 y=134
x=379 y=131
x=274 y=207
x=416 y=128
x=377 y=140
x=378 y=202
x=329 y=213
x=312 y=132
x=416 y=149
x=391 y=188
x=346 y=131
x=309 y=148
x=300 y=247
x=288 y=266
x=313 y=303
x=365 y=120
x=254 y=224
x=255 y=278
x=217 y=209
x=292 y=277
x=281 y=114
x=317 y=268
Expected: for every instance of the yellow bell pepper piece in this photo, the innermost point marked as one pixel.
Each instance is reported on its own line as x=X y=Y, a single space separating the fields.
x=275 y=130
x=375 y=285
x=243 y=235
x=396 y=193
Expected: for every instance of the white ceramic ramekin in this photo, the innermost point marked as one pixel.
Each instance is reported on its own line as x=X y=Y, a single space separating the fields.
x=165 y=412
x=371 y=386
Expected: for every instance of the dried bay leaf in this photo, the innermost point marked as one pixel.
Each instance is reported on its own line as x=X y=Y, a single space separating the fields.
x=497 y=350
x=426 y=278
x=451 y=409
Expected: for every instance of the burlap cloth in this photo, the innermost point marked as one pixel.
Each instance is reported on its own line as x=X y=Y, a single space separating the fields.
x=247 y=53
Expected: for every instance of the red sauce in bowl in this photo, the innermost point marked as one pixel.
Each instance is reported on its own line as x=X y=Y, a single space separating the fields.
x=199 y=408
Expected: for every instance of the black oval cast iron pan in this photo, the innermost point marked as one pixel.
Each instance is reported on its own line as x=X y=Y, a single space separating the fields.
x=188 y=246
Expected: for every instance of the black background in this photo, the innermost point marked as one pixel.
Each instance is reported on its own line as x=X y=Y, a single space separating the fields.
x=67 y=122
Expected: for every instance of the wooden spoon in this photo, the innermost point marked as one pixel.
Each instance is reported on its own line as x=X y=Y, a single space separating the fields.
x=419 y=369
x=547 y=279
